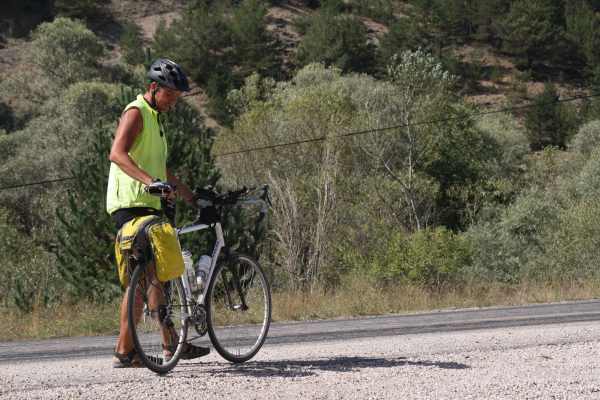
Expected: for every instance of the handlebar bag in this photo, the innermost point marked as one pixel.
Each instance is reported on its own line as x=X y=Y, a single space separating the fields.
x=208 y=215
x=151 y=236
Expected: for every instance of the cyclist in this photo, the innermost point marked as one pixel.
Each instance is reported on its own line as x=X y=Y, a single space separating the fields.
x=138 y=158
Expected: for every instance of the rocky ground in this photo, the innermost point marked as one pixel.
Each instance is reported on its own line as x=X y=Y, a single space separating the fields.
x=547 y=361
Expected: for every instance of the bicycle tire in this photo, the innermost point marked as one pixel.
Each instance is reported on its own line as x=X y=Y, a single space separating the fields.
x=237 y=333
x=148 y=332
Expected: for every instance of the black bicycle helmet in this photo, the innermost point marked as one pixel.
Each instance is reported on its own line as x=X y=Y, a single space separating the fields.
x=169 y=74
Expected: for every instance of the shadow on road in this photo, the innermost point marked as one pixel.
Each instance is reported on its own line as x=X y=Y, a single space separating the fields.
x=303 y=368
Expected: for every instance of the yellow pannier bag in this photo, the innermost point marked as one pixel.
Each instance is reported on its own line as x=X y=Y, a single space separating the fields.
x=134 y=238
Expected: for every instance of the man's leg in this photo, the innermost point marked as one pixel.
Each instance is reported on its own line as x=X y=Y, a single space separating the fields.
x=156 y=298
x=125 y=341
x=170 y=337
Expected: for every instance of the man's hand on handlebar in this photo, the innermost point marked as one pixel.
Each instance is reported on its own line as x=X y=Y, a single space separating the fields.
x=161 y=189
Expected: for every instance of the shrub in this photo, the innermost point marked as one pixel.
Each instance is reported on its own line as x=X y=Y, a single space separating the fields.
x=400 y=177
x=65 y=52
x=29 y=278
x=433 y=258
x=510 y=139
x=503 y=248
x=92 y=103
x=587 y=183
x=587 y=139
x=507 y=159
x=572 y=246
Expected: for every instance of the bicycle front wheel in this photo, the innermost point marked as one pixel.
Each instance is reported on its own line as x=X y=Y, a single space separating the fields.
x=238 y=308
x=157 y=318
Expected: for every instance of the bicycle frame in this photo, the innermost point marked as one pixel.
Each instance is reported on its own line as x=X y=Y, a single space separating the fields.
x=219 y=244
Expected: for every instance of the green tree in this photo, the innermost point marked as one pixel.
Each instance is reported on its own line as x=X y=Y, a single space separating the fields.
x=132 y=44
x=374 y=185
x=19 y=17
x=82 y=9
x=405 y=34
x=65 y=52
x=485 y=20
x=583 y=31
x=456 y=18
x=379 y=10
x=200 y=41
x=533 y=30
x=85 y=235
x=219 y=46
x=254 y=46
x=338 y=40
x=548 y=122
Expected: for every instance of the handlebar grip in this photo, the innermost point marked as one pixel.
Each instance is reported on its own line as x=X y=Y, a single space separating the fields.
x=158 y=188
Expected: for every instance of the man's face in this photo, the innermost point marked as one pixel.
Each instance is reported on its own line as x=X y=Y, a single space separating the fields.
x=166 y=98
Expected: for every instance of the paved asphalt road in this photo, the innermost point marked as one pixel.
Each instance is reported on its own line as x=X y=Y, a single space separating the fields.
x=343 y=329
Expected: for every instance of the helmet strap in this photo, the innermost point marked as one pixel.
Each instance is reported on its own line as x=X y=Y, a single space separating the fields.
x=153 y=98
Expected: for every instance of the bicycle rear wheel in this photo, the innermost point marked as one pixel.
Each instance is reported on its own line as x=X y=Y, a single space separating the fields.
x=157 y=318
x=238 y=308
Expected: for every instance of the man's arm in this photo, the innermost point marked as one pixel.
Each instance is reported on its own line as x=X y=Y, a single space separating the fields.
x=129 y=128
x=183 y=190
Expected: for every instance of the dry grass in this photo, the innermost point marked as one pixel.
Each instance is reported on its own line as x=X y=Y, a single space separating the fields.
x=360 y=298
x=60 y=321
x=356 y=298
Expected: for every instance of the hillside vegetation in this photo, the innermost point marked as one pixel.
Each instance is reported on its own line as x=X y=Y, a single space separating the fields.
x=449 y=202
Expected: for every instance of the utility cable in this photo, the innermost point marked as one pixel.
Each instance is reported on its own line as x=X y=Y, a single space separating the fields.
x=37 y=183
x=355 y=133
x=388 y=128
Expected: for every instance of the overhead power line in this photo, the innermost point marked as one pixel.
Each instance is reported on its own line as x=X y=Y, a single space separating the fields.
x=37 y=183
x=389 y=128
x=349 y=134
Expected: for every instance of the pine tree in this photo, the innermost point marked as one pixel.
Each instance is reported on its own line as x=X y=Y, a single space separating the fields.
x=254 y=46
x=533 y=29
x=583 y=30
x=547 y=123
x=339 y=40
x=132 y=44
x=81 y=9
x=86 y=235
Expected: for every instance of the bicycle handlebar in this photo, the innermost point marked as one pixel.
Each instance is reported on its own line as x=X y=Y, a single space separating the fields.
x=206 y=197
x=159 y=189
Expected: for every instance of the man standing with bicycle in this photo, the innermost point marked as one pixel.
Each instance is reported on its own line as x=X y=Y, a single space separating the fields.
x=138 y=160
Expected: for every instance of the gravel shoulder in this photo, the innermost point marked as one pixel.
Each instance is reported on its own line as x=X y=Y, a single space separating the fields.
x=542 y=361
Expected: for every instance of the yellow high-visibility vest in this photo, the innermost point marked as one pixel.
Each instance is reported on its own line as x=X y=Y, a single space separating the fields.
x=149 y=152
